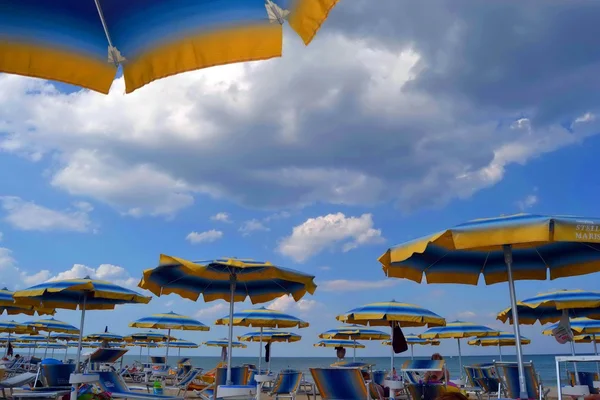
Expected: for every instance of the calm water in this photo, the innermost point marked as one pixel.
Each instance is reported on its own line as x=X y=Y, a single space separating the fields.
x=544 y=364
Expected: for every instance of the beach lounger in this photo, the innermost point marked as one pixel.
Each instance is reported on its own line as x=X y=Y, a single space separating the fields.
x=16 y=381
x=54 y=381
x=183 y=384
x=585 y=378
x=111 y=382
x=101 y=357
x=239 y=377
x=340 y=383
x=509 y=372
x=286 y=385
x=489 y=380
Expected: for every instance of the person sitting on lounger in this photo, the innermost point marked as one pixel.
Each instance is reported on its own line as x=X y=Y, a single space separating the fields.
x=442 y=376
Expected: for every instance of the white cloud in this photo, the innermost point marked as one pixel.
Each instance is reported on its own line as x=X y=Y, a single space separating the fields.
x=1 y=236
x=204 y=237
x=329 y=231
x=216 y=310
x=277 y=216
x=527 y=202
x=222 y=217
x=13 y=277
x=288 y=304
x=107 y=272
x=344 y=285
x=252 y=225
x=28 y=216
x=466 y=315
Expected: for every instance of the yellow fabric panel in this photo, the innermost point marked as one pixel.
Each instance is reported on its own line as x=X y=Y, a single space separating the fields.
x=307 y=17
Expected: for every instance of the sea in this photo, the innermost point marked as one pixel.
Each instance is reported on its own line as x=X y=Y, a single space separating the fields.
x=544 y=364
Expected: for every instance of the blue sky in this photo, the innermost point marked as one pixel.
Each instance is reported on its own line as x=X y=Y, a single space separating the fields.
x=318 y=161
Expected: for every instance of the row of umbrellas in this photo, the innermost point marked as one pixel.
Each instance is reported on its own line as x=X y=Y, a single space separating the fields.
x=500 y=249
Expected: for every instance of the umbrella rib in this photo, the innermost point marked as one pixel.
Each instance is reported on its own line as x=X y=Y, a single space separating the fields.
x=487 y=256
x=591 y=247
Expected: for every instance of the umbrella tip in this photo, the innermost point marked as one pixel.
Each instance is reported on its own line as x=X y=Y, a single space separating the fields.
x=87 y=277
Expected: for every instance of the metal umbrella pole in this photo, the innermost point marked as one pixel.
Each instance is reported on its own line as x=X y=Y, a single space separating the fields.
x=232 y=280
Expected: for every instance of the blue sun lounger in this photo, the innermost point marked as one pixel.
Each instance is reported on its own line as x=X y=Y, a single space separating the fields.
x=239 y=377
x=54 y=379
x=510 y=381
x=112 y=382
x=286 y=384
x=340 y=383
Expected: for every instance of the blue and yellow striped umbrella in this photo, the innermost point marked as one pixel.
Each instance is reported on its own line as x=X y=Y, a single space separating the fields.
x=263 y=318
x=501 y=249
x=15 y=327
x=384 y=313
x=459 y=330
x=229 y=279
x=351 y=344
x=270 y=335
x=184 y=344
x=412 y=340
x=5 y=339
x=169 y=321
x=502 y=340
x=8 y=306
x=52 y=325
x=85 y=294
x=104 y=336
x=354 y=332
x=82 y=42
x=64 y=336
x=550 y=307
x=224 y=343
x=147 y=337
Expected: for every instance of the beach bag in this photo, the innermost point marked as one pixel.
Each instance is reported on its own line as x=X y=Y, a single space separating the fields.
x=563 y=333
x=398 y=340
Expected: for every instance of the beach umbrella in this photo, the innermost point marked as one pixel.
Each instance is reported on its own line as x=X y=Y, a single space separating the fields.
x=85 y=294
x=412 y=340
x=503 y=339
x=34 y=340
x=263 y=318
x=68 y=338
x=269 y=336
x=11 y=327
x=336 y=343
x=354 y=332
x=67 y=40
x=147 y=337
x=229 y=279
x=459 y=330
x=224 y=344
x=8 y=306
x=141 y=344
x=183 y=344
x=392 y=313
x=104 y=337
x=52 y=325
x=502 y=249
x=169 y=321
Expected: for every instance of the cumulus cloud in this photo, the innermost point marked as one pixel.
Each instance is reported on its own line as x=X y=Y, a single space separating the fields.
x=344 y=285
x=204 y=237
x=29 y=216
x=528 y=201
x=222 y=217
x=253 y=225
x=466 y=315
x=395 y=103
x=216 y=310
x=329 y=231
x=13 y=277
x=288 y=304
x=107 y=272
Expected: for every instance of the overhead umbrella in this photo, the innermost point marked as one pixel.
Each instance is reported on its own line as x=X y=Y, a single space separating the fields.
x=148 y=337
x=269 y=336
x=263 y=318
x=503 y=339
x=67 y=41
x=503 y=249
x=392 y=313
x=8 y=306
x=68 y=338
x=104 y=336
x=229 y=279
x=52 y=325
x=85 y=294
x=337 y=343
x=11 y=327
x=169 y=321
x=183 y=344
x=412 y=340
x=354 y=332
x=34 y=340
x=567 y=303
x=459 y=330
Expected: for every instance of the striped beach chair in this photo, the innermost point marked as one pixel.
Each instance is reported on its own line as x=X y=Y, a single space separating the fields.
x=340 y=383
x=112 y=382
x=286 y=384
x=509 y=372
x=239 y=376
x=473 y=374
x=415 y=370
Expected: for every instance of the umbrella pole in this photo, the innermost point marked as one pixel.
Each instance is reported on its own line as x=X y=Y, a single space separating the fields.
x=412 y=351
x=392 y=347
x=47 y=344
x=260 y=351
x=574 y=364
x=460 y=359
x=500 y=351
x=354 y=353
x=66 y=350
x=140 y=353
x=8 y=342
x=168 y=341
x=179 y=353
x=232 y=280
x=270 y=352
x=78 y=359
x=595 y=352
x=508 y=260
x=148 y=354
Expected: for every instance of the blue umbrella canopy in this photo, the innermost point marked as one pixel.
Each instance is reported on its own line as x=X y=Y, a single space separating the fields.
x=15 y=327
x=8 y=306
x=263 y=318
x=224 y=343
x=459 y=330
x=579 y=326
x=67 y=40
x=383 y=313
x=148 y=337
x=169 y=320
x=52 y=325
x=550 y=307
x=104 y=336
x=183 y=344
x=270 y=335
x=64 y=336
x=339 y=343
x=354 y=332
